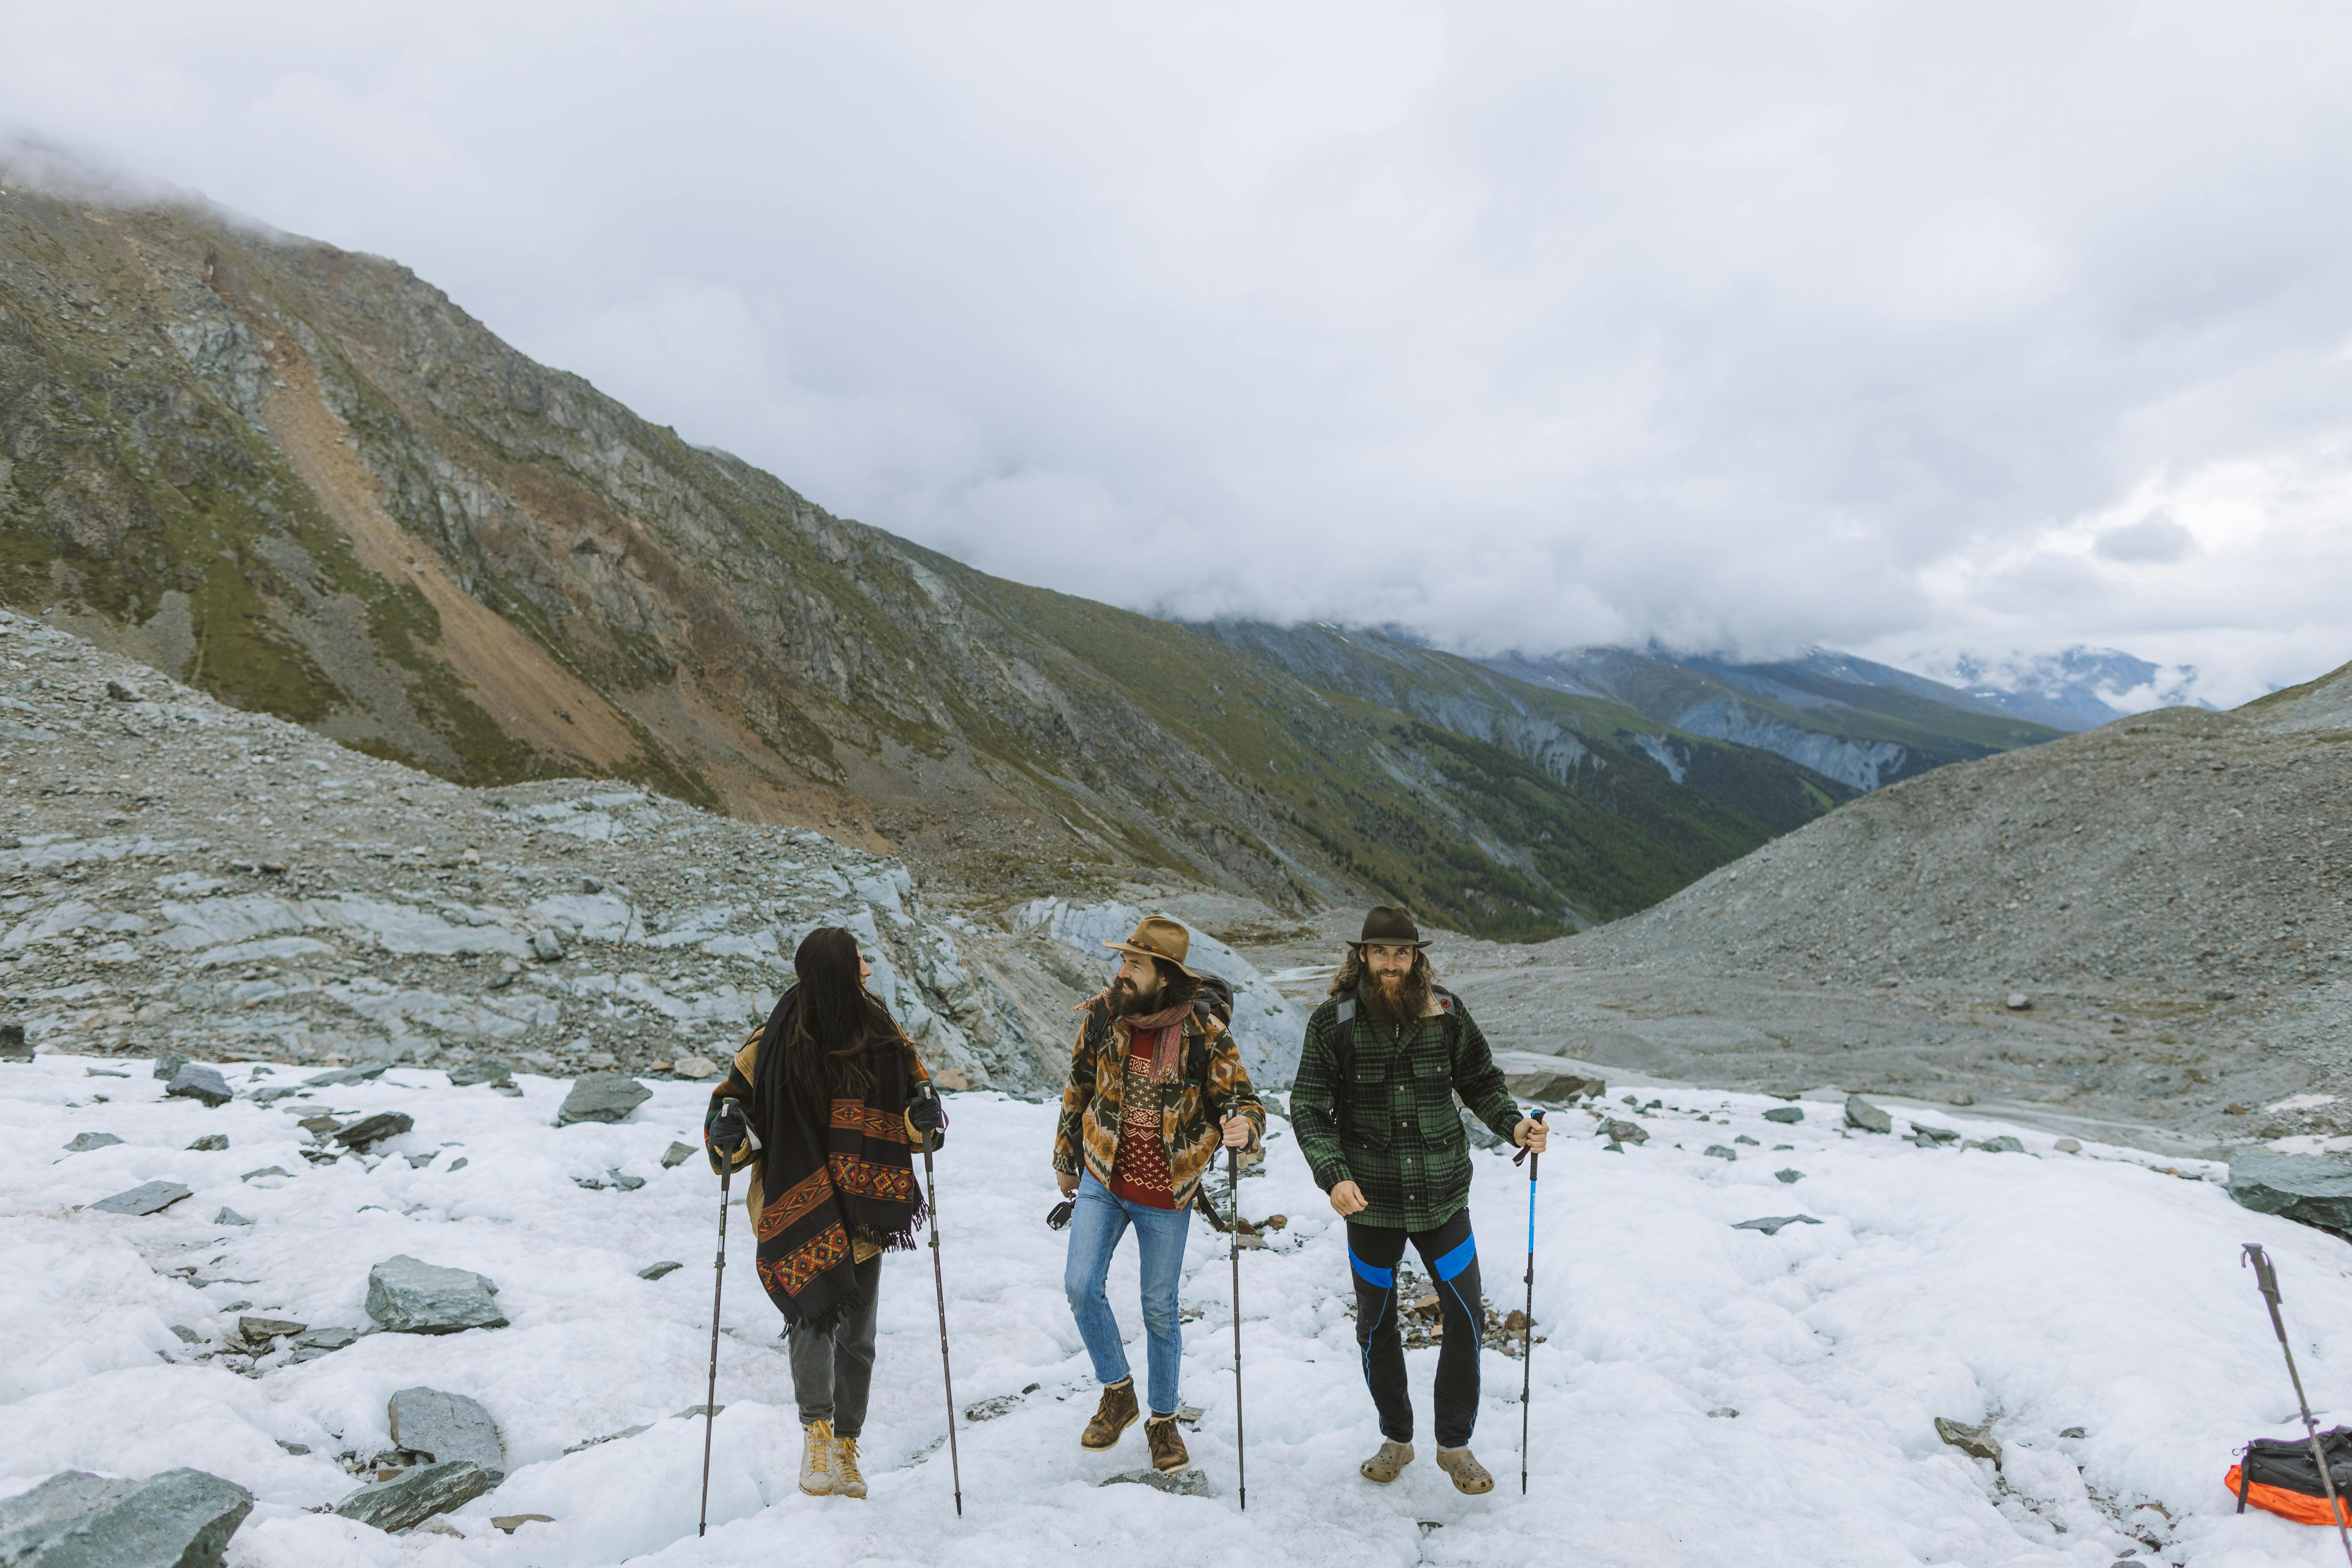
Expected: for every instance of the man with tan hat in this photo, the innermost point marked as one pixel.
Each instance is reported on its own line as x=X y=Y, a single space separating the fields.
x=1373 y=1109
x=1156 y=1088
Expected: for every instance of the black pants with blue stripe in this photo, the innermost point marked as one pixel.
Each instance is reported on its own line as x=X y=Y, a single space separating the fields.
x=1451 y=1254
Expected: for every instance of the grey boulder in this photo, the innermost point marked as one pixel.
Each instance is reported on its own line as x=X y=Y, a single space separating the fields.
x=677 y=1155
x=1721 y=1152
x=415 y=1495
x=601 y=1097
x=2311 y=1188
x=1533 y=1077
x=369 y=1130
x=1860 y=1112
x=1977 y=1441
x=169 y=1063
x=196 y=1082
x=1771 y=1224
x=445 y=1426
x=408 y=1296
x=261 y=1330
x=489 y=1069
x=1625 y=1131
x=150 y=1197
x=1183 y=1483
x=320 y=1342
x=1789 y=1114
x=83 y=1143
x=346 y=1075
x=210 y=1143
x=180 y=1519
x=14 y=1046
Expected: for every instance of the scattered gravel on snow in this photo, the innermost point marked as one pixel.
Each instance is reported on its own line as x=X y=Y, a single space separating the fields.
x=2031 y=1296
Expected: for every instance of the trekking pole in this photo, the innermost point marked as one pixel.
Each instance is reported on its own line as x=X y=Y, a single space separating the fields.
x=1241 y=1441
x=1528 y=1330
x=938 y=1282
x=2266 y=1278
x=710 y=1395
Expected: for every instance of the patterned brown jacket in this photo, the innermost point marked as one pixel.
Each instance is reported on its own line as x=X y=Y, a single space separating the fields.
x=1209 y=1078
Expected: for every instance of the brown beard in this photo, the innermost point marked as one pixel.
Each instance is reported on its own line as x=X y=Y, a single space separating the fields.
x=1401 y=999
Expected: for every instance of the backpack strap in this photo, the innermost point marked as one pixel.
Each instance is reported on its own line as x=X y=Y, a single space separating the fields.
x=1197 y=1048
x=1343 y=1038
x=1449 y=1021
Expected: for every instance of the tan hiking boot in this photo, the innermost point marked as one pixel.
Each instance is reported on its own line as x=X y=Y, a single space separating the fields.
x=1167 y=1444
x=1113 y=1415
x=1469 y=1475
x=847 y=1481
x=816 y=1459
x=1389 y=1463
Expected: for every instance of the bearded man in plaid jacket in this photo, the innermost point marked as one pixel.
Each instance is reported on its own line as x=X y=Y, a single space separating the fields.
x=1373 y=1109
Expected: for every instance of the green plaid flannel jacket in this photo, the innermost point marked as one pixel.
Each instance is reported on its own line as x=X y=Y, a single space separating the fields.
x=1374 y=1105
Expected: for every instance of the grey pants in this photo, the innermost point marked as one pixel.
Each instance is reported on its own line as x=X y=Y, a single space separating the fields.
x=832 y=1372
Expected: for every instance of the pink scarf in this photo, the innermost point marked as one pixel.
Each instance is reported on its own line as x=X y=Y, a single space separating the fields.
x=1166 y=1030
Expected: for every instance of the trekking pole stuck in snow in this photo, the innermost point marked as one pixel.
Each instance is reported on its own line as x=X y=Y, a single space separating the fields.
x=1528 y=1329
x=939 y=1283
x=1241 y=1441
x=2266 y=1278
x=710 y=1395
x=728 y=1109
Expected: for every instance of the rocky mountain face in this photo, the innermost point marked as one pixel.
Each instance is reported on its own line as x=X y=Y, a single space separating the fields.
x=1864 y=724
x=2150 y=921
x=304 y=481
x=177 y=875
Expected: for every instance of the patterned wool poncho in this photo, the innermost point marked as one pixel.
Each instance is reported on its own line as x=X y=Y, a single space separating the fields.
x=835 y=1177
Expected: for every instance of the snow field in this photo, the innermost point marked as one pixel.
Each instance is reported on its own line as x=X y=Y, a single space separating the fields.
x=2047 y=1291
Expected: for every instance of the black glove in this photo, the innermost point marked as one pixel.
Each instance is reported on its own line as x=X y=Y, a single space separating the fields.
x=730 y=1131
x=927 y=1115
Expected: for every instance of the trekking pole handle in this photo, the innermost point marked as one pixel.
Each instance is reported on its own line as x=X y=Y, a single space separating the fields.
x=1535 y=1115
x=748 y=1131
x=2266 y=1276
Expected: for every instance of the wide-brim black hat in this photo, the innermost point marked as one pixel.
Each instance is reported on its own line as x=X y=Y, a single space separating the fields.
x=1389 y=927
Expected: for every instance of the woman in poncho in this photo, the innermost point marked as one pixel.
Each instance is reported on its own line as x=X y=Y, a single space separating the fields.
x=823 y=1106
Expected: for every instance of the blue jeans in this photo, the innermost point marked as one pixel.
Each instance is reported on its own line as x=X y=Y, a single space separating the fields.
x=1097 y=1222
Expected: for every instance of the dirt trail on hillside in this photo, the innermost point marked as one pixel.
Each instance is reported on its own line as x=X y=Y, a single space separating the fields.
x=517 y=682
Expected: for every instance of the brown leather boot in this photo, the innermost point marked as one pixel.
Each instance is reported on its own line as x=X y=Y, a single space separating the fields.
x=1113 y=1415
x=1167 y=1444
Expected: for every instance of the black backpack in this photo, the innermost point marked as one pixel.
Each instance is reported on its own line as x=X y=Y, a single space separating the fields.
x=2287 y=1464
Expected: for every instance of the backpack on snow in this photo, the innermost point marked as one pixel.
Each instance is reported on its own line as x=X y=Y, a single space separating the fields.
x=2280 y=1476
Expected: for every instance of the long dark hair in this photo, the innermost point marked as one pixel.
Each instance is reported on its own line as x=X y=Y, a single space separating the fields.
x=1420 y=981
x=837 y=1024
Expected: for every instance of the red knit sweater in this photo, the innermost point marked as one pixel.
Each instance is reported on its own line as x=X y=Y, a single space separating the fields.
x=1139 y=1172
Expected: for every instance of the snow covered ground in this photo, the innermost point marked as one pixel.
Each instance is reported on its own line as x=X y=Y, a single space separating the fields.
x=2046 y=1291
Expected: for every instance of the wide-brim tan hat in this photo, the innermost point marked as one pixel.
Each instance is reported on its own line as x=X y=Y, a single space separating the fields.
x=1157 y=936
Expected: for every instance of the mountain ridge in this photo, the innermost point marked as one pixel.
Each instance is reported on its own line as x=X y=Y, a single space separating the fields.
x=308 y=482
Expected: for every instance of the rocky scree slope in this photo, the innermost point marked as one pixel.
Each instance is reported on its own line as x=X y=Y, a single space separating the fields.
x=305 y=481
x=177 y=875
x=2170 y=899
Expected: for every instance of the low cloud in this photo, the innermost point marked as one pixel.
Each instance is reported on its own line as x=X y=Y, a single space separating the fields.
x=2152 y=540
x=1739 y=327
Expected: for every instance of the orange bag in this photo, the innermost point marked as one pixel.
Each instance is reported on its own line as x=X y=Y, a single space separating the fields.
x=2301 y=1507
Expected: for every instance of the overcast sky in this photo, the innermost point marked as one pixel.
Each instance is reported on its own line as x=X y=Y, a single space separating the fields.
x=1904 y=329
